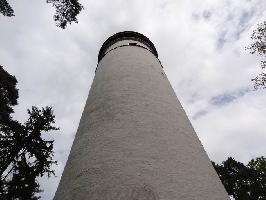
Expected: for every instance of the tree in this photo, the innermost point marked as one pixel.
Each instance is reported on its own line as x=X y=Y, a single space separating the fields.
x=259 y=47
x=66 y=11
x=24 y=154
x=6 y=9
x=243 y=182
x=23 y=185
x=258 y=164
x=8 y=95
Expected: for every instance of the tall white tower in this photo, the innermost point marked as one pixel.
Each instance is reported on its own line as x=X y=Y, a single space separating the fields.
x=134 y=140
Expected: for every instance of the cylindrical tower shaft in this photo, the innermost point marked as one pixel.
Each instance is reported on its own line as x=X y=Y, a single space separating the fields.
x=134 y=140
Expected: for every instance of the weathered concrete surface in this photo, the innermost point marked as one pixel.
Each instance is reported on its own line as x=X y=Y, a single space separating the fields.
x=134 y=141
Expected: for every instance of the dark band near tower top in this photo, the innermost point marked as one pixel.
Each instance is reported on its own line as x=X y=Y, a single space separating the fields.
x=126 y=35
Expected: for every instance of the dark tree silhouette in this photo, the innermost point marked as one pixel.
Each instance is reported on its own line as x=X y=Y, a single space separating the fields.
x=23 y=185
x=66 y=11
x=6 y=9
x=24 y=154
x=258 y=164
x=258 y=47
x=8 y=95
x=243 y=182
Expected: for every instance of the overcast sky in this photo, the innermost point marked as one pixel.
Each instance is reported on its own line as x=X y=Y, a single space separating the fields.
x=201 y=45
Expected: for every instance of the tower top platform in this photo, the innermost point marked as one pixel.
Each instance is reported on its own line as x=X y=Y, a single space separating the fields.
x=126 y=35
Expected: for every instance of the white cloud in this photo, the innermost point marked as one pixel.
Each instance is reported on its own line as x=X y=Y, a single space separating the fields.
x=200 y=44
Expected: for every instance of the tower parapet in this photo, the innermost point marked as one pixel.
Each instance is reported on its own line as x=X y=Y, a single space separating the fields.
x=126 y=38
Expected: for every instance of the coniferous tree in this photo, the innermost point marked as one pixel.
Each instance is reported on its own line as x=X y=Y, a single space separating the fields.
x=8 y=95
x=24 y=153
x=23 y=185
x=66 y=11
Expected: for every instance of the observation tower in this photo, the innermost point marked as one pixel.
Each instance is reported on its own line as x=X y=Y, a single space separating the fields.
x=134 y=140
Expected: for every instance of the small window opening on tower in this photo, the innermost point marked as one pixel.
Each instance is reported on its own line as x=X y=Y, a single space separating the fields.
x=132 y=43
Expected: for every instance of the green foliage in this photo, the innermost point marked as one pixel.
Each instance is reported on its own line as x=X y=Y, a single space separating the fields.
x=241 y=181
x=258 y=164
x=24 y=154
x=66 y=11
x=258 y=47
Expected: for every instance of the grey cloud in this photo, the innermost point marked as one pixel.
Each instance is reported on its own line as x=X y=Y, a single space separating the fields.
x=244 y=19
x=221 y=39
x=207 y=14
x=56 y=67
x=199 y=114
x=228 y=97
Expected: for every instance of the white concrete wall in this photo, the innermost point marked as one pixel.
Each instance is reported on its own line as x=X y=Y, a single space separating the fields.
x=134 y=141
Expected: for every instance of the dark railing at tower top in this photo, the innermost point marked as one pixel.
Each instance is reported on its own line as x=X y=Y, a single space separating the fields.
x=126 y=35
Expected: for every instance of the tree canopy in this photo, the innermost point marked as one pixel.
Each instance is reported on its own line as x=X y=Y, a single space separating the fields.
x=243 y=182
x=8 y=95
x=6 y=9
x=66 y=11
x=24 y=153
x=258 y=46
